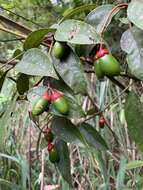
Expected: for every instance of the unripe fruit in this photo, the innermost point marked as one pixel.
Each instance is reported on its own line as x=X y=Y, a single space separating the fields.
x=41 y=105
x=99 y=73
x=53 y=153
x=59 y=102
x=108 y=64
x=102 y=121
x=48 y=134
x=59 y=49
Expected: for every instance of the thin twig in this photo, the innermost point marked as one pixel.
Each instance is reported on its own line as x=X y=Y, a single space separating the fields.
x=42 y=170
x=107 y=106
x=8 y=62
x=29 y=155
x=12 y=32
x=21 y=16
x=119 y=84
x=11 y=61
x=119 y=6
x=23 y=29
x=11 y=40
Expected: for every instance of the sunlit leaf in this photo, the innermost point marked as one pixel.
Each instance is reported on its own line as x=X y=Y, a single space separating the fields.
x=77 y=32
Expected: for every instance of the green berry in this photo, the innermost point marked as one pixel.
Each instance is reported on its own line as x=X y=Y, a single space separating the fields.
x=59 y=49
x=61 y=105
x=59 y=102
x=108 y=64
x=99 y=73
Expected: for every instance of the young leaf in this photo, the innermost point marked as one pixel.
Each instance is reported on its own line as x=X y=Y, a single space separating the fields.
x=64 y=163
x=22 y=83
x=35 y=38
x=98 y=16
x=134 y=164
x=35 y=62
x=71 y=71
x=92 y=137
x=132 y=44
x=66 y=130
x=77 y=32
x=135 y=13
x=134 y=115
x=70 y=12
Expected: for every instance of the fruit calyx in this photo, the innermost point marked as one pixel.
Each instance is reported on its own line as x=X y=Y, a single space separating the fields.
x=50 y=146
x=102 y=121
x=46 y=96
x=46 y=131
x=101 y=53
x=55 y=95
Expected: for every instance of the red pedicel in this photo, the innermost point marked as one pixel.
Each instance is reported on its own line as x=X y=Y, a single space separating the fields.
x=55 y=95
x=101 y=53
x=50 y=146
x=46 y=96
x=46 y=130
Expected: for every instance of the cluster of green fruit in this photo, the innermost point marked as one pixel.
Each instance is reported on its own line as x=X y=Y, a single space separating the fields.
x=53 y=152
x=105 y=64
x=58 y=101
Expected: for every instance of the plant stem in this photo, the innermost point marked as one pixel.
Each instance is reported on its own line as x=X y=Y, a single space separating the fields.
x=20 y=16
x=117 y=7
x=29 y=155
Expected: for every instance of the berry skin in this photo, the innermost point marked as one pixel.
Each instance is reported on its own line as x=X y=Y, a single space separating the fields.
x=59 y=50
x=41 y=105
x=99 y=73
x=53 y=153
x=102 y=121
x=59 y=102
x=108 y=64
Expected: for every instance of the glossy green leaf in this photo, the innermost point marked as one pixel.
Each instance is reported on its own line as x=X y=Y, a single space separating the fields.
x=37 y=63
x=22 y=83
x=77 y=32
x=135 y=13
x=35 y=38
x=35 y=93
x=134 y=164
x=58 y=84
x=71 y=12
x=92 y=136
x=66 y=130
x=98 y=16
x=71 y=71
x=132 y=44
x=134 y=115
x=64 y=163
